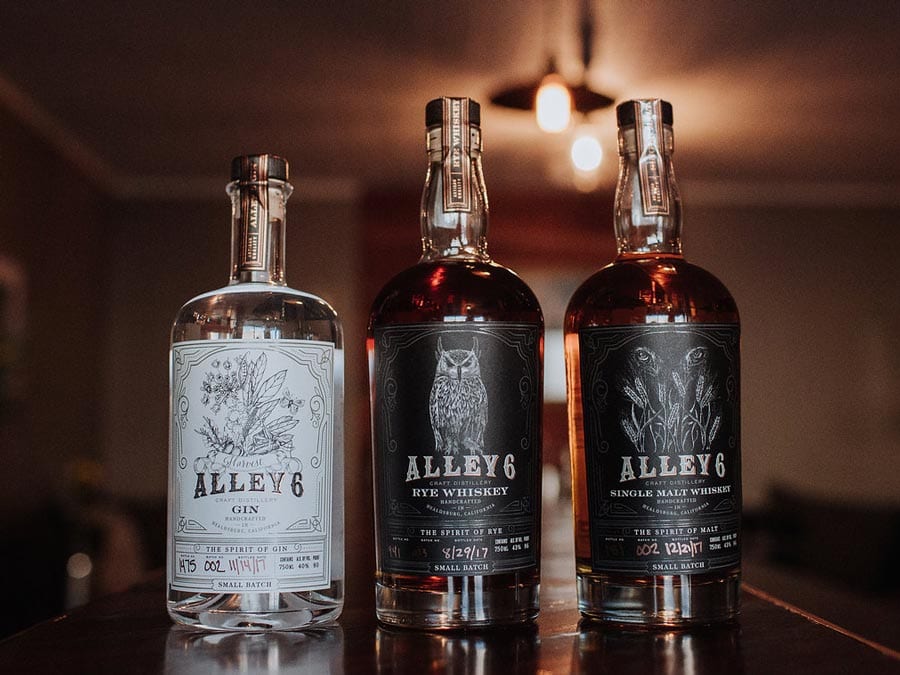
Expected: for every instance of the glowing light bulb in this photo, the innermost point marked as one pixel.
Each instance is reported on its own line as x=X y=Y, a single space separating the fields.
x=79 y=565
x=586 y=152
x=553 y=104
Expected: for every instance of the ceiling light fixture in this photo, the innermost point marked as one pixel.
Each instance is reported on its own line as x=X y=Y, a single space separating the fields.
x=545 y=96
x=553 y=103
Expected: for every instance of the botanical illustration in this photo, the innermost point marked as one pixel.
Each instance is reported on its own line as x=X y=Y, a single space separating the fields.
x=671 y=408
x=458 y=403
x=239 y=391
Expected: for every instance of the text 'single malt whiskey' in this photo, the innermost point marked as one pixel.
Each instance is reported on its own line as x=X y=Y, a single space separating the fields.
x=455 y=346
x=652 y=361
x=256 y=449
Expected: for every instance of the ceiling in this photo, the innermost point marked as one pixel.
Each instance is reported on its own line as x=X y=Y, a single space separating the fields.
x=774 y=101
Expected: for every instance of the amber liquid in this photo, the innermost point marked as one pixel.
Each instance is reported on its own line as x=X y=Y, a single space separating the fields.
x=435 y=291
x=635 y=289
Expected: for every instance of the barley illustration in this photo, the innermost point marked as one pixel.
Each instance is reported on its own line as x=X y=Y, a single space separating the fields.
x=713 y=430
x=642 y=391
x=707 y=396
x=679 y=385
x=630 y=431
x=673 y=416
x=632 y=394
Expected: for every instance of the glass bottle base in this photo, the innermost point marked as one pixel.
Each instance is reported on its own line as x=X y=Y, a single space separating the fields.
x=457 y=602
x=254 y=612
x=666 y=601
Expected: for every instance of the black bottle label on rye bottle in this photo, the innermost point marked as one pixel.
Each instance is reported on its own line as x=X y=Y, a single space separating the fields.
x=457 y=456
x=662 y=447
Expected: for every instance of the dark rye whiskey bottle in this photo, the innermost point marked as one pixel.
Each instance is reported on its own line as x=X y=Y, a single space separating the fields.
x=256 y=419
x=652 y=360
x=454 y=346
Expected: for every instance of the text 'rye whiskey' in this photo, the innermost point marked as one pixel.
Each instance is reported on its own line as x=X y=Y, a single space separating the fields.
x=652 y=362
x=256 y=420
x=454 y=348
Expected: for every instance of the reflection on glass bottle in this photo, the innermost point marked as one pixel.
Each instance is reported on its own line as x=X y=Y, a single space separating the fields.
x=514 y=650
x=708 y=651
x=314 y=651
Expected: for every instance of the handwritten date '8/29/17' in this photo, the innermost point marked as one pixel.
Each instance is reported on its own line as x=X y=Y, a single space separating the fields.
x=465 y=552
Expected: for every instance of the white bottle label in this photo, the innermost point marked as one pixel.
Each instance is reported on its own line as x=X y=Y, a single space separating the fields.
x=251 y=465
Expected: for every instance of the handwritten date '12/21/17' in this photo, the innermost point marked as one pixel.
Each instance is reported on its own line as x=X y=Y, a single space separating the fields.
x=678 y=548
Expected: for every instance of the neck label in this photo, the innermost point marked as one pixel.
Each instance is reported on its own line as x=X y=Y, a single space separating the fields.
x=456 y=145
x=654 y=178
x=254 y=214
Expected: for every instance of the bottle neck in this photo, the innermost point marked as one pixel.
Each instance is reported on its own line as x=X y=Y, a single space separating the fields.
x=257 y=231
x=454 y=213
x=648 y=204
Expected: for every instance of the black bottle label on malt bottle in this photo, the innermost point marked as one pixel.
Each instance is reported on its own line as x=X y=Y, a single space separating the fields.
x=457 y=429
x=662 y=447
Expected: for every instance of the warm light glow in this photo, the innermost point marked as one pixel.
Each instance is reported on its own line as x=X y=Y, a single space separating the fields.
x=554 y=366
x=79 y=565
x=586 y=153
x=553 y=104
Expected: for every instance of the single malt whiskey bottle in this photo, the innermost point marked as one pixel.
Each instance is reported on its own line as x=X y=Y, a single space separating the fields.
x=652 y=360
x=455 y=347
x=256 y=455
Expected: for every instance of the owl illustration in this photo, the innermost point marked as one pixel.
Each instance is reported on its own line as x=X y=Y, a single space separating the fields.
x=458 y=404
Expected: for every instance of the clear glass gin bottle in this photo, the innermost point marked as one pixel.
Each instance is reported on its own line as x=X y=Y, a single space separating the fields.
x=455 y=348
x=255 y=537
x=652 y=356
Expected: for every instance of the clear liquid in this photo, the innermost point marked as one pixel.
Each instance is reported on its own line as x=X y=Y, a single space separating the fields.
x=264 y=312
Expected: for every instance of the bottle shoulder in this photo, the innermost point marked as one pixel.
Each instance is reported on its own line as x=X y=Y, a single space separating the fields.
x=254 y=311
x=474 y=290
x=651 y=290
x=248 y=296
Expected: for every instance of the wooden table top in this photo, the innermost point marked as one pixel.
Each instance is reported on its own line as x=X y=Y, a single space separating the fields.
x=130 y=632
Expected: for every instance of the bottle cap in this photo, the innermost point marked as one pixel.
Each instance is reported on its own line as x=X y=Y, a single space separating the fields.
x=625 y=112
x=434 y=111
x=254 y=168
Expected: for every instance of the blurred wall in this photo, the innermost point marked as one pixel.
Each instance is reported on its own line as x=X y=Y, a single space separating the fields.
x=53 y=229
x=818 y=290
x=53 y=273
